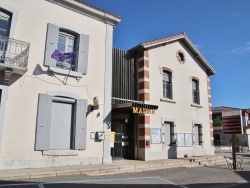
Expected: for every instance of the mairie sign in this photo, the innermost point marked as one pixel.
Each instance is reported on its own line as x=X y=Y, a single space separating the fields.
x=139 y=110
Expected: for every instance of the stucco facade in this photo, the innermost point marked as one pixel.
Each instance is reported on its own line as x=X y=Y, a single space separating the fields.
x=170 y=106
x=20 y=97
x=180 y=110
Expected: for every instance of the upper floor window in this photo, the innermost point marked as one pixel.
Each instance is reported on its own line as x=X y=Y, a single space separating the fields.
x=195 y=91
x=66 y=43
x=167 y=85
x=67 y=40
x=5 y=22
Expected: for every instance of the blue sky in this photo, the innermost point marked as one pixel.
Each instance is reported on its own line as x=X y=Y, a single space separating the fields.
x=219 y=28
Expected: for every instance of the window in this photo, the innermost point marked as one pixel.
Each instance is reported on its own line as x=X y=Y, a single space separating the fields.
x=61 y=123
x=66 y=39
x=197 y=134
x=167 y=85
x=5 y=21
x=66 y=43
x=195 y=92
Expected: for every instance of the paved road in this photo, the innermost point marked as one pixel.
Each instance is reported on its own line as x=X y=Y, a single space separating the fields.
x=213 y=176
x=205 y=177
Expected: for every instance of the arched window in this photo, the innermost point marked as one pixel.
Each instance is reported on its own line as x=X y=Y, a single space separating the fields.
x=195 y=91
x=167 y=85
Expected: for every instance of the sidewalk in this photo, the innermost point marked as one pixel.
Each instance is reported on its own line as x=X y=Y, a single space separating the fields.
x=117 y=166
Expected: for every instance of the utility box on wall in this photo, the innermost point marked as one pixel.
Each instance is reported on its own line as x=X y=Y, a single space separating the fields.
x=99 y=136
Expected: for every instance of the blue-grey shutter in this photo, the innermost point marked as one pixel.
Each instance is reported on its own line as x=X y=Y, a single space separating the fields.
x=43 y=122
x=82 y=63
x=51 y=44
x=80 y=124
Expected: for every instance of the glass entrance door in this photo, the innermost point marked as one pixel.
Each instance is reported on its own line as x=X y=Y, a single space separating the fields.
x=121 y=144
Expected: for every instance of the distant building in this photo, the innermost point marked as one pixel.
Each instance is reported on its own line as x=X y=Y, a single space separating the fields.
x=162 y=100
x=46 y=116
x=221 y=139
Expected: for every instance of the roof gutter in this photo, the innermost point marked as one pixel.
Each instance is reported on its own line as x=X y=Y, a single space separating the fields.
x=111 y=19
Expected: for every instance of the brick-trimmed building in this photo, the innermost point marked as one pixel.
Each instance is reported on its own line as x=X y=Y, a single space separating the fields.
x=162 y=100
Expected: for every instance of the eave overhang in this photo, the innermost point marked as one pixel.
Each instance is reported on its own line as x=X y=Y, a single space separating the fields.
x=88 y=10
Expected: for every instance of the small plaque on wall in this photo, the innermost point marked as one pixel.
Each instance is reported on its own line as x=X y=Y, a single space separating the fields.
x=155 y=136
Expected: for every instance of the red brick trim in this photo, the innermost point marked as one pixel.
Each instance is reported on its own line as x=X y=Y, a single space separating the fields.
x=142 y=54
x=194 y=78
x=143 y=85
x=144 y=120
x=143 y=74
x=144 y=97
x=143 y=63
x=144 y=143
x=144 y=131
x=166 y=69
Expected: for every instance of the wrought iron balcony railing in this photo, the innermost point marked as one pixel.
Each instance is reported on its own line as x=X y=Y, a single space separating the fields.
x=14 y=52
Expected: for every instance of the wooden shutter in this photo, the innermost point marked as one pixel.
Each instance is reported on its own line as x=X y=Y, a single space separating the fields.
x=43 y=122
x=80 y=124
x=83 y=50
x=51 y=44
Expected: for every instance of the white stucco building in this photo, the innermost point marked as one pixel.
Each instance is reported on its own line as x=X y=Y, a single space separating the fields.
x=169 y=111
x=45 y=113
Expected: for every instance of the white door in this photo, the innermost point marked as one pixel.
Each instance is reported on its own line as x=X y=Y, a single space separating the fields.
x=61 y=126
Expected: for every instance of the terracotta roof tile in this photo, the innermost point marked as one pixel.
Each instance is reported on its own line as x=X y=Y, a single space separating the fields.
x=97 y=8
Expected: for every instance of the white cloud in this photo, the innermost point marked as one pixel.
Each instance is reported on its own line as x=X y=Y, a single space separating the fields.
x=241 y=49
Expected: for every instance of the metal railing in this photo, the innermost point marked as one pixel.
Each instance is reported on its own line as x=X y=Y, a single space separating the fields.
x=14 y=52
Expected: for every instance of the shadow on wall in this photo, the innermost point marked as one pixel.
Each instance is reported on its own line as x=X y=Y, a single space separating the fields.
x=172 y=153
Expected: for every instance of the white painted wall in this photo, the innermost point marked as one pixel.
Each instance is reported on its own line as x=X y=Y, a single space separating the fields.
x=182 y=111
x=17 y=147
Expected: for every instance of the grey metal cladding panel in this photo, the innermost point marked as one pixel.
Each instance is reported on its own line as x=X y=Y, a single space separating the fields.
x=122 y=80
x=82 y=64
x=43 y=122
x=81 y=124
x=51 y=44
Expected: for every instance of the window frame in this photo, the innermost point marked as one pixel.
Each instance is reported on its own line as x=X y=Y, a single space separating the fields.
x=195 y=92
x=82 y=52
x=9 y=21
x=167 y=94
x=67 y=35
x=44 y=119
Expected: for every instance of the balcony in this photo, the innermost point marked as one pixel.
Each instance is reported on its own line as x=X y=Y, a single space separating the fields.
x=13 y=57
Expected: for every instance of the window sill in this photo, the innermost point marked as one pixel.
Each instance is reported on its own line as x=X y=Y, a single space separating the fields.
x=61 y=152
x=66 y=72
x=167 y=100
x=196 y=105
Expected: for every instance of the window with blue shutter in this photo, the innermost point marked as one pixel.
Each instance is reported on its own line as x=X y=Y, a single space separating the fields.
x=61 y=123
x=66 y=41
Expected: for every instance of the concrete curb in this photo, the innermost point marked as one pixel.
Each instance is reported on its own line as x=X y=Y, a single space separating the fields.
x=123 y=166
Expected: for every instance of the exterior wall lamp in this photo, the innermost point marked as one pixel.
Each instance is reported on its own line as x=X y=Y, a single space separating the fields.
x=95 y=105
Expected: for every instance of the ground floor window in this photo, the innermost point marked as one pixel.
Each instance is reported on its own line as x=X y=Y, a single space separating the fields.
x=61 y=123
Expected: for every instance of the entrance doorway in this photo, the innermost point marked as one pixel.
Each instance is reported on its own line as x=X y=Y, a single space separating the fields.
x=123 y=147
